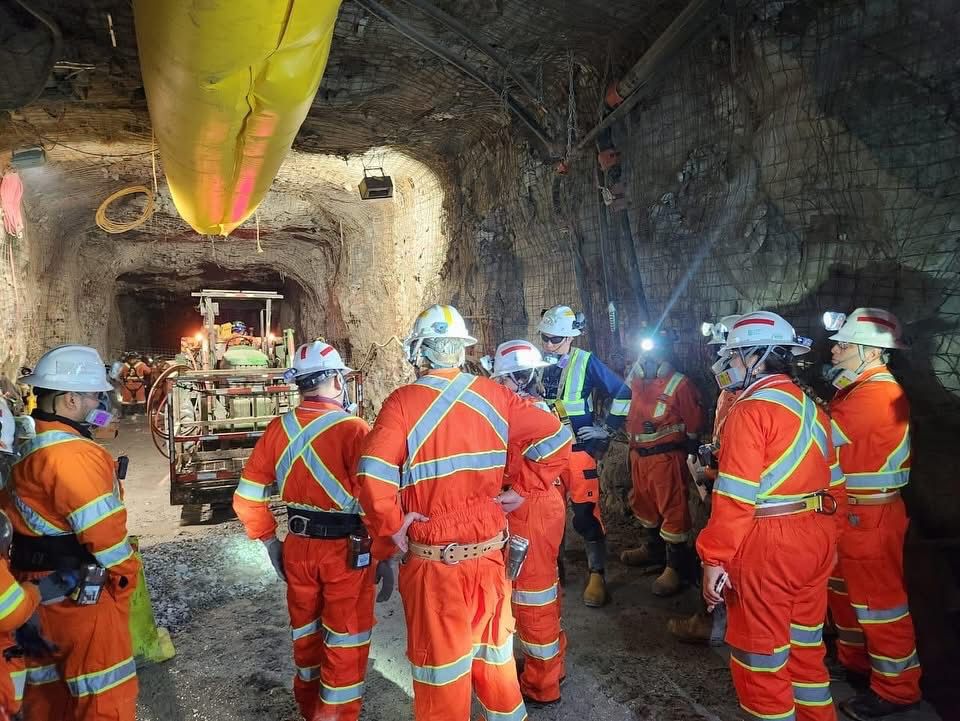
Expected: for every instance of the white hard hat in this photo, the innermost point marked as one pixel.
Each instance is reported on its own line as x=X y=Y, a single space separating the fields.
x=317 y=357
x=439 y=321
x=874 y=327
x=718 y=331
x=516 y=355
x=561 y=321
x=77 y=368
x=8 y=428
x=763 y=328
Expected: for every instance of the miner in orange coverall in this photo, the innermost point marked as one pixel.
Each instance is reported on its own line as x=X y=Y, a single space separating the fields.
x=541 y=519
x=663 y=426
x=868 y=599
x=64 y=503
x=433 y=467
x=17 y=606
x=311 y=454
x=770 y=527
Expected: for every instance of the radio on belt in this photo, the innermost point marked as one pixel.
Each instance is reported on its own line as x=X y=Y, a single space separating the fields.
x=90 y=586
x=516 y=554
x=359 y=550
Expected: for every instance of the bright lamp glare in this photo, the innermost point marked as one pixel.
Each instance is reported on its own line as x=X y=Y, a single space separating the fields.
x=833 y=320
x=646 y=344
x=706 y=329
x=198 y=337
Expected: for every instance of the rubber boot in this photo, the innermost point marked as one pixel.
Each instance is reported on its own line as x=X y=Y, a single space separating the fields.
x=595 y=594
x=670 y=581
x=651 y=553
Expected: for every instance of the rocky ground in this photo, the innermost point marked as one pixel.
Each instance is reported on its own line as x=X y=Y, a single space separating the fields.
x=217 y=594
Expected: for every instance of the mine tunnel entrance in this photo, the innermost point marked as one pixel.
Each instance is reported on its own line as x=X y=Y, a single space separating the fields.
x=154 y=309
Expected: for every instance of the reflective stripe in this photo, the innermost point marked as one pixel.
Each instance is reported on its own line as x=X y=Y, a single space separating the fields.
x=542 y=651
x=305 y=630
x=518 y=714
x=378 y=468
x=535 y=598
x=762 y=662
x=809 y=433
x=575 y=380
x=308 y=673
x=673 y=537
x=573 y=408
x=889 y=615
x=435 y=382
x=837 y=585
x=836 y=475
x=432 y=417
x=481 y=405
x=838 y=436
x=251 y=490
x=300 y=446
x=442 y=675
x=93 y=512
x=335 y=695
x=661 y=407
x=115 y=555
x=35 y=522
x=806 y=635
x=439 y=467
x=878 y=481
x=886 y=666
x=335 y=639
x=100 y=681
x=39 y=675
x=812 y=694
x=754 y=715
x=47 y=439
x=899 y=455
x=11 y=599
x=19 y=679
x=620 y=407
x=545 y=448
x=494 y=655
x=739 y=489
x=850 y=636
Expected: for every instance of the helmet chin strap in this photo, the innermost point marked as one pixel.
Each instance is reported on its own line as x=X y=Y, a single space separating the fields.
x=749 y=371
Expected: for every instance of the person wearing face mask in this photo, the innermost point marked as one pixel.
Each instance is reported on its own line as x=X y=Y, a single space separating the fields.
x=569 y=386
x=541 y=519
x=64 y=503
x=770 y=543
x=868 y=599
x=311 y=454
x=663 y=425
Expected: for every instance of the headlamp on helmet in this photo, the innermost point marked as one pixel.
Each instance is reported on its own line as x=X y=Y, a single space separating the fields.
x=833 y=320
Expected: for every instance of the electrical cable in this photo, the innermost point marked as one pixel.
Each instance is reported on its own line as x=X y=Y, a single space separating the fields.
x=112 y=226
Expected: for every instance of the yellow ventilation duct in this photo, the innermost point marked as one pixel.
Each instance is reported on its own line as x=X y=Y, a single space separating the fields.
x=228 y=83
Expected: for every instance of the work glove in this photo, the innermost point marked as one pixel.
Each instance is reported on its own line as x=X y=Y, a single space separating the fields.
x=29 y=640
x=57 y=586
x=592 y=433
x=275 y=552
x=385 y=577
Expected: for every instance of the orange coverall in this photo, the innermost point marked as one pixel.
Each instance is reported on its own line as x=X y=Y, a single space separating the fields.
x=536 y=593
x=133 y=382
x=17 y=604
x=659 y=497
x=66 y=484
x=776 y=448
x=439 y=448
x=867 y=595
x=312 y=453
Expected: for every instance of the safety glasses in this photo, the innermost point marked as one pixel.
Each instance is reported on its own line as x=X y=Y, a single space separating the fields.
x=552 y=339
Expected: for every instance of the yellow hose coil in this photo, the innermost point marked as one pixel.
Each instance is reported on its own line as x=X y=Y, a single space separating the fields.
x=113 y=226
x=228 y=84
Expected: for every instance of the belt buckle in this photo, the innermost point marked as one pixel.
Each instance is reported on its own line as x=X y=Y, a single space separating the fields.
x=297 y=525
x=827 y=509
x=448 y=561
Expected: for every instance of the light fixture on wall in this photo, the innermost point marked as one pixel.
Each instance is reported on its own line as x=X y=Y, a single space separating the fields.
x=375 y=187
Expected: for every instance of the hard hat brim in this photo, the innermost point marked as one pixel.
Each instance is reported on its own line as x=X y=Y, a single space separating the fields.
x=35 y=381
x=840 y=337
x=532 y=367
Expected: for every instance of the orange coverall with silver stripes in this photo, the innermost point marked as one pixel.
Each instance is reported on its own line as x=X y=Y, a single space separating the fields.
x=17 y=604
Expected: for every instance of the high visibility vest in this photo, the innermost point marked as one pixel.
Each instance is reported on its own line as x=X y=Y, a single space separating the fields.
x=570 y=401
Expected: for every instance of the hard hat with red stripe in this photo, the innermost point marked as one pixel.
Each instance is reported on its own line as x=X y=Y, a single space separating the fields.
x=763 y=328
x=516 y=355
x=317 y=357
x=874 y=327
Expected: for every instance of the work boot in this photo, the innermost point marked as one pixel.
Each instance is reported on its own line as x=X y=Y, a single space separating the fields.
x=595 y=594
x=867 y=706
x=697 y=628
x=651 y=553
x=667 y=583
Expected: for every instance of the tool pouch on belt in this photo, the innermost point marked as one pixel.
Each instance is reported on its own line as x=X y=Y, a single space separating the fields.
x=360 y=545
x=49 y=553
x=322 y=524
x=517 y=548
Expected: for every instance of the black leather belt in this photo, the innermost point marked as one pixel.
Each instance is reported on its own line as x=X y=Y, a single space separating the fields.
x=657 y=450
x=48 y=553
x=322 y=524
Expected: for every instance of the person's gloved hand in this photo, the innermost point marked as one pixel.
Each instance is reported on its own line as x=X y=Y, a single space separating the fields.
x=592 y=433
x=275 y=552
x=385 y=577
x=30 y=640
x=57 y=586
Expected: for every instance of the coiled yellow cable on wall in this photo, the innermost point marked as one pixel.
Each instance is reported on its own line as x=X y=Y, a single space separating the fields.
x=112 y=226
